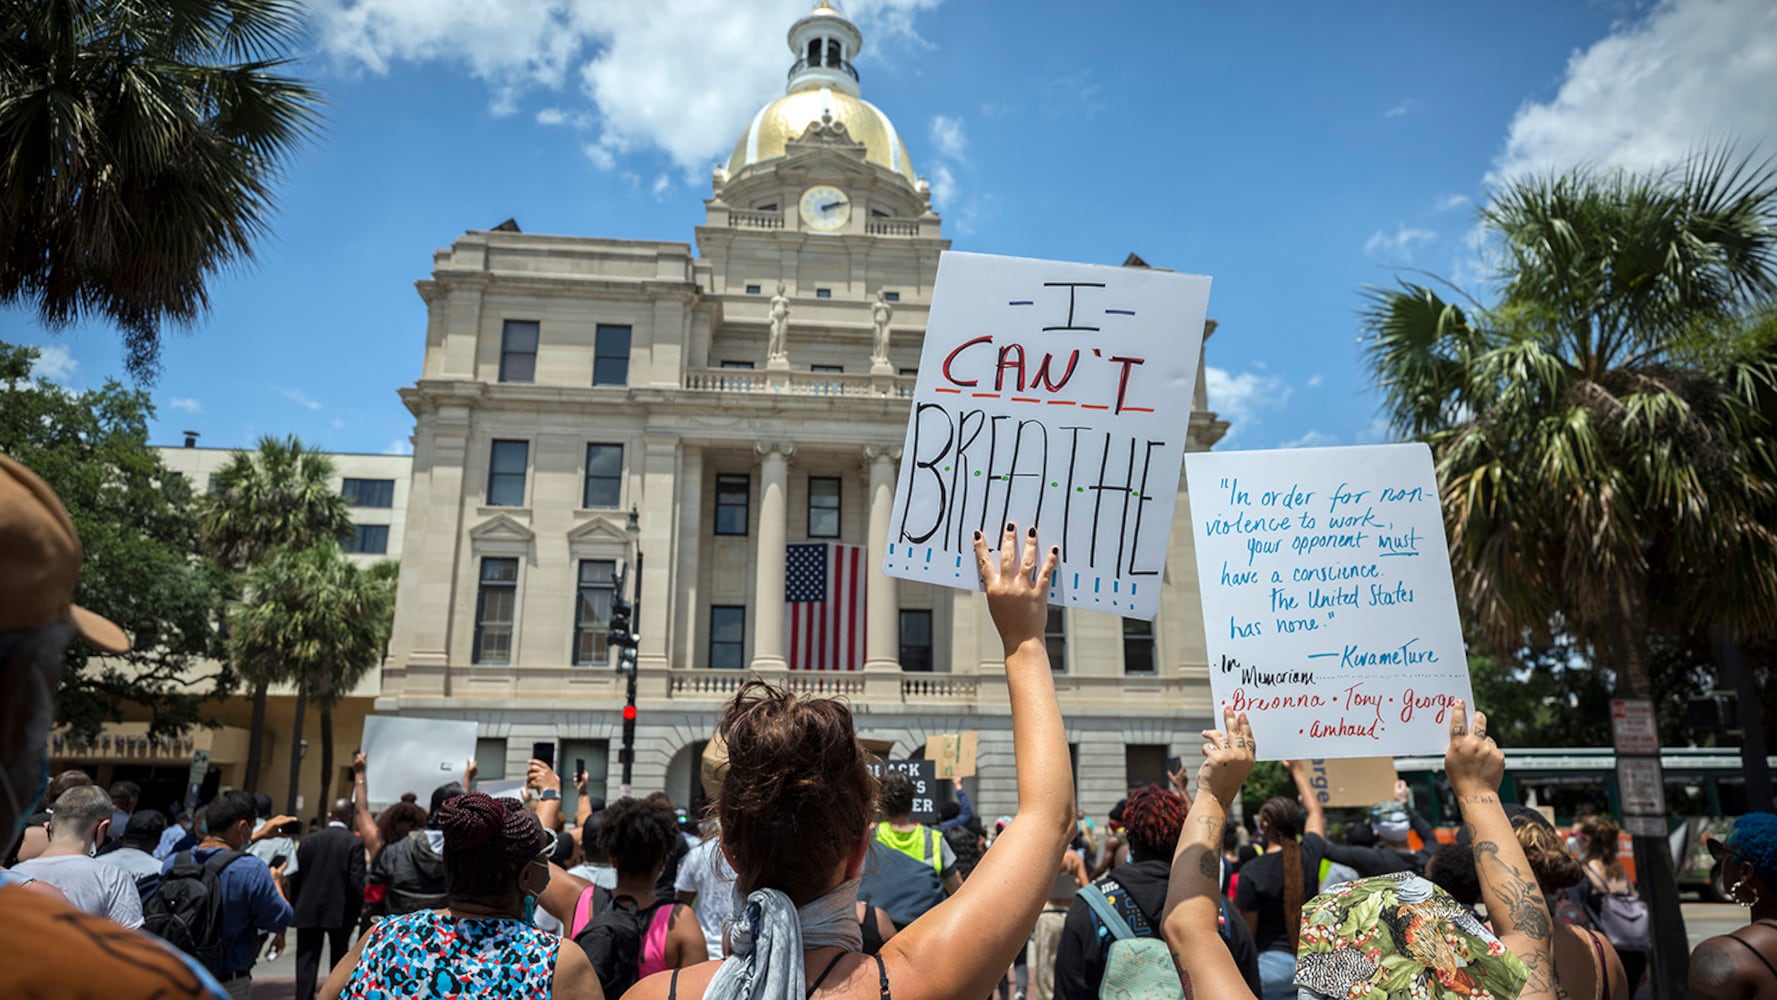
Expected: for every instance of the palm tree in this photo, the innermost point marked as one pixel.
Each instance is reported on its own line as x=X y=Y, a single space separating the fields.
x=278 y=496
x=323 y=621
x=138 y=143
x=1604 y=432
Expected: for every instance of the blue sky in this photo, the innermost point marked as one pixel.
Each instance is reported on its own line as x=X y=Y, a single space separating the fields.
x=1294 y=151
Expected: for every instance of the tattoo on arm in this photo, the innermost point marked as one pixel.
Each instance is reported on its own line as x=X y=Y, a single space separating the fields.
x=1523 y=900
x=1712 y=969
x=1210 y=867
x=1477 y=800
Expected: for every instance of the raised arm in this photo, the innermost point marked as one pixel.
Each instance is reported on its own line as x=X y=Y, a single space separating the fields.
x=965 y=810
x=963 y=946
x=582 y=802
x=1193 y=891
x=1474 y=765
x=1314 y=817
x=542 y=777
x=368 y=832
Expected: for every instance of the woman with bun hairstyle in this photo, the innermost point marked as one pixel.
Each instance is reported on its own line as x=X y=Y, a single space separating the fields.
x=1587 y=967
x=1604 y=875
x=796 y=806
x=482 y=944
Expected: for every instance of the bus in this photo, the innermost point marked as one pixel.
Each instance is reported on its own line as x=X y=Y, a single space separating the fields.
x=1705 y=789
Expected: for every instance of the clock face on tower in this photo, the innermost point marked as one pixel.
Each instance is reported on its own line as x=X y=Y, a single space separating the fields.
x=825 y=208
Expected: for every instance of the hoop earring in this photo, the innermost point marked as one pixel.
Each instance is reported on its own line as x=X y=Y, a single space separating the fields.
x=1734 y=894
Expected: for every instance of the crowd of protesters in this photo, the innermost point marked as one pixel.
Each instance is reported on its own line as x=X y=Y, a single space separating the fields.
x=806 y=876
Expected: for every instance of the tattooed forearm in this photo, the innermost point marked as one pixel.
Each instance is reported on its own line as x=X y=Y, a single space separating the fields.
x=1522 y=900
x=1210 y=867
x=1477 y=800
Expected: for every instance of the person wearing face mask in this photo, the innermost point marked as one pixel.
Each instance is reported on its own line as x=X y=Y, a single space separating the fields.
x=81 y=825
x=58 y=949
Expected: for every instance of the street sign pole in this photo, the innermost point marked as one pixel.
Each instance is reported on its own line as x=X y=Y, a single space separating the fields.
x=1641 y=789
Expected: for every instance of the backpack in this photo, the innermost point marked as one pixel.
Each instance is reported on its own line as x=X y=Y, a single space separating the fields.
x=1135 y=966
x=901 y=886
x=187 y=911
x=613 y=941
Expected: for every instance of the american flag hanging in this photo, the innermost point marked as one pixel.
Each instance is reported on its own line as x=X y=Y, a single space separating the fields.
x=824 y=587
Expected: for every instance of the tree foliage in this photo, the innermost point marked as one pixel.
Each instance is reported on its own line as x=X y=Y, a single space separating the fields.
x=138 y=146
x=1603 y=432
x=143 y=566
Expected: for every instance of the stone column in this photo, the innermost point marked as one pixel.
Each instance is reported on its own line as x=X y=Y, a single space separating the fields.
x=882 y=607
x=768 y=566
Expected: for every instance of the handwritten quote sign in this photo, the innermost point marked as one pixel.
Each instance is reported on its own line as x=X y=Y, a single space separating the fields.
x=1057 y=395
x=1328 y=607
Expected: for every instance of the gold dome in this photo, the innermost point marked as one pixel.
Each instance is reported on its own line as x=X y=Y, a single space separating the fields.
x=790 y=115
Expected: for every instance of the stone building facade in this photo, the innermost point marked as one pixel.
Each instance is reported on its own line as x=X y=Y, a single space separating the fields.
x=585 y=400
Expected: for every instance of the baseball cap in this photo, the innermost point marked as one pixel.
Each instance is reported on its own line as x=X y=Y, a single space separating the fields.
x=40 y=562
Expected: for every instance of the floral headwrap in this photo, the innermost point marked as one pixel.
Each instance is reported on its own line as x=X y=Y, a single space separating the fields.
x=1399 y=936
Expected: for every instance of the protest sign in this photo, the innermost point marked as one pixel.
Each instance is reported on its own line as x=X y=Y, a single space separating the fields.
x=925 y=784
x=413 y=755
x=1055 y=395
x=953 y=754
x=1328 y=608
x=1354 y=781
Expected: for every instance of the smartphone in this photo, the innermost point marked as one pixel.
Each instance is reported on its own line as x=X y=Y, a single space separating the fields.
x=1173 y=764
x=278 y=859
x=579 y=769
x=544 y=752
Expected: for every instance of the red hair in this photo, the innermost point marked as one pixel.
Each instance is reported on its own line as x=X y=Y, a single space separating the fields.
x=487 y=842
x=1153 y=818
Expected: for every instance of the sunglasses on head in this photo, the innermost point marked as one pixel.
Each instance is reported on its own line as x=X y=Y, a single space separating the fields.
x=1720 y=851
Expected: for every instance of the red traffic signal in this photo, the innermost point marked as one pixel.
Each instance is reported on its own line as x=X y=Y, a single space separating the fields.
x=629 y=713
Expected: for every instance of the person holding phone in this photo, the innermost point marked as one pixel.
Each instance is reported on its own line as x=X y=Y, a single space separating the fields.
x=328 y=891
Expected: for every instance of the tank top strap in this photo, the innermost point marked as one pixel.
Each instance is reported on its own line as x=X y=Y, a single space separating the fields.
x=882 y=977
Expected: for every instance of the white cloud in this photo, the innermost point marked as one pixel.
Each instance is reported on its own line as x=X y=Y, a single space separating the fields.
x=183 y=403
x=1692 y=73
x=337 y=424
x=1315 y=380
x=1312 y=439
x=947 y=136
x=54 y=363
x=601 y=156
x=1398 y=110
x=1379 y=432
x=653 y=82
x=943 y=186
x=1450 y=202
x=661 y=184
x=300 y=398
x=563 y=116
x=1400 y=243
x=1238 y=397
x=399 y=446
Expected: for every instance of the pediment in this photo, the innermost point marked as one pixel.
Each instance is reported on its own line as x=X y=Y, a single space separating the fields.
x=501 y=528
x=599 y=531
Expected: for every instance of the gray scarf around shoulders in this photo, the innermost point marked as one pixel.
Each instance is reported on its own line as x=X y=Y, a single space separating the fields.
x=768 y=935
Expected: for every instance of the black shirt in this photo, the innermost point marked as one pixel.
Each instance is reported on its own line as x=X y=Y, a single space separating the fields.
x=1261 y=889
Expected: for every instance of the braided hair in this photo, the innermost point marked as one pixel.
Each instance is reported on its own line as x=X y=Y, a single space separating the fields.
x=1282 y=819
x=487 y=843
x=1153 y=817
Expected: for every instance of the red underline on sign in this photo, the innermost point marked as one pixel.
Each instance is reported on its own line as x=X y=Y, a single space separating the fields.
x=1025 y=399
x=1095 y=406
x=1061 y=402
x=942 y=389
x=985 y=395
x=1138 y=409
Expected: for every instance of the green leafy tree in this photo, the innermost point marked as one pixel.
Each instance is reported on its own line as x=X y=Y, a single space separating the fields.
x=1602 y=431
x=143 y=567
x=279 y=496
x=315 y=617
x=138 y=146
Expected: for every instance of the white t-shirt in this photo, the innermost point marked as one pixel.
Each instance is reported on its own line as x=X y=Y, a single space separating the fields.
x=137 y=863
x=705 y=871
x=269 y=848
x=90 y=884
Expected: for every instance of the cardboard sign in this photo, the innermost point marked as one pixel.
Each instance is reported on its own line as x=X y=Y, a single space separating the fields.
x=404 y=754
x=1055 y=395
x=1355 y=781
x=1328 y=608
x=925 y=784
x=953 y=754
x=1632 y=727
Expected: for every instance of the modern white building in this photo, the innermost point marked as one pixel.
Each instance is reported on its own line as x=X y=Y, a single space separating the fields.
x=582 y=400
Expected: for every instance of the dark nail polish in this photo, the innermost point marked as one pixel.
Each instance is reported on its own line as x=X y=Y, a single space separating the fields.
x=1009 y=526
x=1032 y=532
x=977 y=536
x=1055 y=550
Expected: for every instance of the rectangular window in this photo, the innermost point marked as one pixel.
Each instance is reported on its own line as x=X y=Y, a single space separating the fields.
x=518 y=351
x=891 y=296
x=506 y=465
x=368 y=492
x=747 y=365
x=753 y=289
x=827 y=369
x=1144 y=764
x=490 y=759
x=592 y=612
x=728 y=637
x=823 y=507
x=908 y=371
x=1055 y=639
x=604 y=477
x=731 y=503
x=823 y=293
x=916 y=640
x=610 y=356
x=1138 y=646
x=368 y=539
x=494 y=608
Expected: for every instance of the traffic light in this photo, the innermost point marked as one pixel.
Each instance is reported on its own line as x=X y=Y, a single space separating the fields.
x=620 y=619
x=629 y=713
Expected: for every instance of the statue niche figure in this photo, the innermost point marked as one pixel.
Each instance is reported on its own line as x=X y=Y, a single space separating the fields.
x=780 y=325
x=880 y=314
